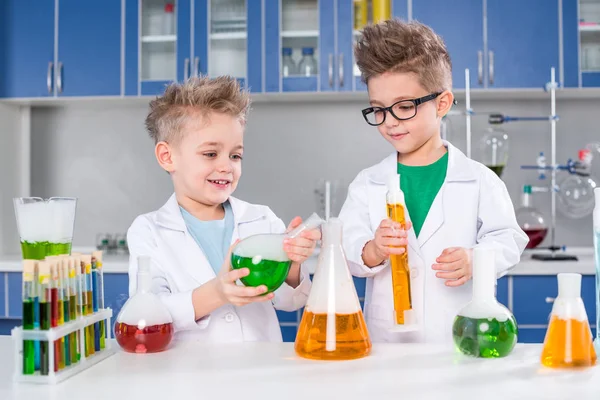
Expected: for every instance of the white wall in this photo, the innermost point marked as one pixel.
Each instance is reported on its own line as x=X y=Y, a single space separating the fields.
x=102 y=155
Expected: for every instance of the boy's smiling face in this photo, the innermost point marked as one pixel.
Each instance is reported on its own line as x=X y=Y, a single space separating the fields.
x=407 y=136
x=206 y=163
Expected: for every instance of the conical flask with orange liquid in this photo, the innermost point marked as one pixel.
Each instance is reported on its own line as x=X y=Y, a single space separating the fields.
x=404 y=316
x=568 y=341
x=332 y=326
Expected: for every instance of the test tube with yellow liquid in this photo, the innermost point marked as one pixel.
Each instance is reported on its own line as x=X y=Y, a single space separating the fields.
x=404 y=318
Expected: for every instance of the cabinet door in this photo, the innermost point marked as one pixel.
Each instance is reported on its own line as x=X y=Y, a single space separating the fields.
x=460 y=24
x=297 y=30
x=161 y=47
x=345 y=40
x=89 y=48
x=522 y=43
x=27 y=48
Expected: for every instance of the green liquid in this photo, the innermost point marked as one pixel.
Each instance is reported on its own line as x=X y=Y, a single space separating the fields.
x=487 y=338
x=497 y=169
x=28 y=345
x=45 y=312
x=270 y=273
x=40 y=250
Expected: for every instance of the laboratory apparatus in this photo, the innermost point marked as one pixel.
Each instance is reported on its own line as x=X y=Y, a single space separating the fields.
x=332 y=326
x=29 y=294
x=144 y=324
x=484 y=328
x=45 y=226
x=264 y=256
x=494 y=150
x=531 y=220
x=404 y=315
x=597 y=258
x=568 y=342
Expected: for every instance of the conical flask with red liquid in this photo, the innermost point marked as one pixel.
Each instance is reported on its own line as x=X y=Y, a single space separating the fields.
x=332 y=326
x=144 y=324
x=568 y=341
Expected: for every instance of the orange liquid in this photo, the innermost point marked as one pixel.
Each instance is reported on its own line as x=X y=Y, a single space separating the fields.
x=568 y=343
x=351 y=337
x=400 y=270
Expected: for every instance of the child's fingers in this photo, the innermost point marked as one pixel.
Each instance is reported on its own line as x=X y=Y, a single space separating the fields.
x=247 y=291
x=242 y=301
x=235 y=274
x=312 y=234
x=459 y=273
x=457 y=282
x=299 y=242
x=387 y=232
x=450 y=250
x=394 y=242
x=294 y=223
x=226 y=267
x=450 y=257
x=394 y=251
x=447 y=266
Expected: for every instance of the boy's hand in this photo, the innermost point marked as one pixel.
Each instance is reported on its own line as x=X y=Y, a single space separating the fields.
x=455 y=264
x=299 y=249
x=390 y=239
x=231 y=293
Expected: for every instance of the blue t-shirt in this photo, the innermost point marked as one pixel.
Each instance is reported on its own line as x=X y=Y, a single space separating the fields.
x=213 y=237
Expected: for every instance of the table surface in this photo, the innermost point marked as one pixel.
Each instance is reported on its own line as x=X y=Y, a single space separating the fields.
x=273 y=371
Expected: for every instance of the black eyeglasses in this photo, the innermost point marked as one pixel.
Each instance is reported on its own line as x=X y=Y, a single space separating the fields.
x=401 y=110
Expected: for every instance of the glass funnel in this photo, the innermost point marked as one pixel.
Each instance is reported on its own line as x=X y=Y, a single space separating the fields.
x=144 y=324
x=264 y=256
x=484 y=328
x=568 y=341
x=531 y=220
x=494 y=150
x=45 y=225
x=332 y=326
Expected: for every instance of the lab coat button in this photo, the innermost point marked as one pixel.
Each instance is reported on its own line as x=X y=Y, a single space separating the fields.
x=229 y=317
x=414 y=273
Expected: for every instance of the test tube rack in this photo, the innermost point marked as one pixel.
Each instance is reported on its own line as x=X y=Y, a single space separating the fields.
x=19 y=334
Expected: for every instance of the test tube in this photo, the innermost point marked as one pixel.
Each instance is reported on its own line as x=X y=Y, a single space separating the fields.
x=73 y=308
x=95 y=302
x=36 y=313
x=97 y=255
x=56 y=307
x=45 y=312
x=86 y=262
x=28 y=315
x=66 y=289
x=80 y=300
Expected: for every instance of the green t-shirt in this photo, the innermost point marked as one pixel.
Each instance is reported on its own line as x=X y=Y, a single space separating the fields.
x=420 y=185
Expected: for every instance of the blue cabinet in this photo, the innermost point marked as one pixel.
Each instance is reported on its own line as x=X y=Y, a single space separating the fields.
x=26 y=48
x=502 y=291
x=116 y=292
x=522 y=42
x=15 y=294
x=89 y=48
x=460 y=24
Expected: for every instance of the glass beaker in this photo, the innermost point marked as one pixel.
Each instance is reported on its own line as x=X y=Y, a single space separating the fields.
x=484 y=328
x=332 y=326
x=531 y=220
x=597 y=257
x=45 y=225
x=144 y=324
x=494 y=150
x=264 y=256
x=568 y=341
x=404 y=316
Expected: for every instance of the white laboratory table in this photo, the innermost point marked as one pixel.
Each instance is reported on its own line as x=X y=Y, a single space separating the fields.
x=192 y=370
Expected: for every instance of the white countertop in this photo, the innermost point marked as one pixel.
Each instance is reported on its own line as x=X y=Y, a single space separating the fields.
x=585 y=265
x=273 y=371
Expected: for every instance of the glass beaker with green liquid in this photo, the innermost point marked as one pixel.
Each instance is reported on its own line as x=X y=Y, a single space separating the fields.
x=484 y=328
x=45 y=225
x=264 y=256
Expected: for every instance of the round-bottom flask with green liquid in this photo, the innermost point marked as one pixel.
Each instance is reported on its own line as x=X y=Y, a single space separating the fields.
x=264 y=256
x=484 y=328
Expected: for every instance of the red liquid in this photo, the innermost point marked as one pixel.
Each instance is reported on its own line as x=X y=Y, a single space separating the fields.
x=536 y=236
x=150 y=339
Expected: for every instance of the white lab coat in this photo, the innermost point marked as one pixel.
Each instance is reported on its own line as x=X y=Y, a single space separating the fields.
x=472 y=208
x=179 y=266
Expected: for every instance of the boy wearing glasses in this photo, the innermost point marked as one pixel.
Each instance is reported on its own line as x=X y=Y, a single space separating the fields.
x=453 y=203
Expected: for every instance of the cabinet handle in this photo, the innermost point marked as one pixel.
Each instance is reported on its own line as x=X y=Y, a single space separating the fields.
x=59 y=77
x=196 y=65
x=341 y=70
x=550 y=300
x=49 y=77
x=330 y=70
x=491 y=67
x=480 y=67
x=186 y=69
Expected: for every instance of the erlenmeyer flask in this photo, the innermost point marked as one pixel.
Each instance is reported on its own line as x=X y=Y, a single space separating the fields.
x=484 y=327
x=45 y=226
x=568 y=341
x=144 y=324
x=332 y=326
x=264 y=256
